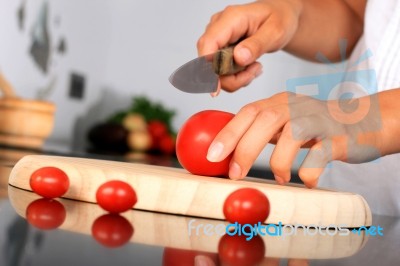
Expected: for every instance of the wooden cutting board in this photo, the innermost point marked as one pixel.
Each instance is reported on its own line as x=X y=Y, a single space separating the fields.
x=173 y=190
x=165 y=230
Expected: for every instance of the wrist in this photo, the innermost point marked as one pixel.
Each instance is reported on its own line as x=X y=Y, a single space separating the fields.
x=296 y=9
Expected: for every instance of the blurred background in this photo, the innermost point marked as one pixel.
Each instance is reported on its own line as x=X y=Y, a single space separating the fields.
x=91 y=58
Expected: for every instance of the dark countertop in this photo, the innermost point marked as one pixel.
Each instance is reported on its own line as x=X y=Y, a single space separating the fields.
x=156 y=236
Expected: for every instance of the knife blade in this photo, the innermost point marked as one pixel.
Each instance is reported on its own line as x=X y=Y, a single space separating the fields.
x=201 y=74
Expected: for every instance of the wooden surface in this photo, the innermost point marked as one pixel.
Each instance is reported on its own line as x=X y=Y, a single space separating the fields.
x=172 y=190
x=166 y=230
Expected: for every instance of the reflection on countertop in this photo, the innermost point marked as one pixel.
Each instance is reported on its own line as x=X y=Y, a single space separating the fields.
x=149 y=238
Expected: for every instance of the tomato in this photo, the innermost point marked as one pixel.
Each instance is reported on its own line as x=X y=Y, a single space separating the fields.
x=45 y=214
x=49 y=182
x=246 y=206
x=167 y=144
x=157 y=129
x=116 y=196
x=112 y=230
x=183 y=257
x=237 y=251
x=194 y=139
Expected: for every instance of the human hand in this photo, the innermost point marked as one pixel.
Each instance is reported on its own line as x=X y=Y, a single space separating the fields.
x=345 y=130
x=268 y=26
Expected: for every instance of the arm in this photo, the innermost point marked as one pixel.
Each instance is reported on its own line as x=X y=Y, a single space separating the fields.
x=323 y=23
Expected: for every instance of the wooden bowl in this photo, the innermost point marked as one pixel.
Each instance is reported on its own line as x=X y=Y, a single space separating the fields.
x=25 y=123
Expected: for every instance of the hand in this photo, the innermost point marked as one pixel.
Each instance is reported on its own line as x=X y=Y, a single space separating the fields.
x=268 y=26
x=345 y=130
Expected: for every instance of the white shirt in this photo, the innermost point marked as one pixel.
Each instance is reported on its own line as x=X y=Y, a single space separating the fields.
x=379 y=181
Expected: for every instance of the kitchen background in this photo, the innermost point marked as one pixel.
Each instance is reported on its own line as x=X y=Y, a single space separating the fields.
x=92 y=57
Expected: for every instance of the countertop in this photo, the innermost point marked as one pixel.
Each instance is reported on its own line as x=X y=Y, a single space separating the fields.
x=85 y=235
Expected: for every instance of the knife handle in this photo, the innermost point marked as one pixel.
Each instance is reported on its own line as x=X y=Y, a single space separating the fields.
x=224 y=64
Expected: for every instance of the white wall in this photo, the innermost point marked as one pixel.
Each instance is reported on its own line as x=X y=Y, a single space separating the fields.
x=126 y=48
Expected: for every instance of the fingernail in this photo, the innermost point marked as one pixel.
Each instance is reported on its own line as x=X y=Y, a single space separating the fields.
x=215 y=94
x=258 y=72
x=235 y=172
x=245 y=55
x=280 y=180
x=215 y=151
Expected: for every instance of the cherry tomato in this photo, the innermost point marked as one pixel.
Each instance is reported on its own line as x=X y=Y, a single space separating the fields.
x=157 y=129
x=45 y=214
x=167 y=144
x=116 y=196
x=194 y=139
x=237 y=251
x=183 y=257
x=49 y=182
x=246 y=206
x=112 y=230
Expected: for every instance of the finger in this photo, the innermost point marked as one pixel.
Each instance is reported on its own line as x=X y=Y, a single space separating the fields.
x=267 y=123
x=201 y=260
x=214 y=18
x=298 y=262
x=300 y=131
x=232 y=83
x=204 y=45
x=285 y=153
x=225 y=28
x=270 y=262
x=315 y=162
x=270 y=36
x=226 y=140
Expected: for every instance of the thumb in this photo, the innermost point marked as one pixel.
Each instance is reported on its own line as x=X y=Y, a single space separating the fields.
x=248 y=50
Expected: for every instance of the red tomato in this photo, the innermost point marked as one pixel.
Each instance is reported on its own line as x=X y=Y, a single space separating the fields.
x=194 y=139
x=45 y=214
x=157 y=129
x=112 y=230
x=237 y=251
x=183 y=257
x=246 y=206
x=116 y=196
x=167 y=144
x=49 y=182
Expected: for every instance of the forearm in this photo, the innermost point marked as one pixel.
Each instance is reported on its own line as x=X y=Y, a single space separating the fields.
x=323 y=23
x=389 y=109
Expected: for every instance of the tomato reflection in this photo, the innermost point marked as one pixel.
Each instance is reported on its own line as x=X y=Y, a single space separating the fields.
x=46 y=214
x=237 y=251
x=112 y=230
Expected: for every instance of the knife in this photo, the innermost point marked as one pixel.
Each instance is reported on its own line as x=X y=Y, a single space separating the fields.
x=201 y=74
